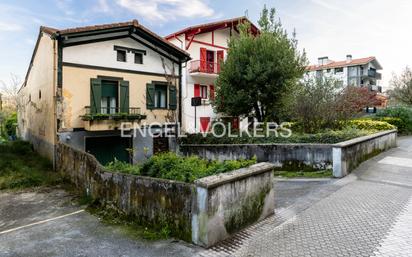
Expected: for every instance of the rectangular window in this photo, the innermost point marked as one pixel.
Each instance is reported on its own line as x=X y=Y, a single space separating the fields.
x=138 y=58
x=203 y=91
x=121 y=55
x=338 y=70
x=160 y=96
x=109 y=97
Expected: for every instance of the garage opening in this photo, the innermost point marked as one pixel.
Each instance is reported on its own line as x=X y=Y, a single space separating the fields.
x=105 y=149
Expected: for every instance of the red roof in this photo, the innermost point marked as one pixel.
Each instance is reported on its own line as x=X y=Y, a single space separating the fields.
x=207 y=27
x=339 y=64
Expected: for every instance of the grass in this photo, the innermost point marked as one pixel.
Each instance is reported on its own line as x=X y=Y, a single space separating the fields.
x=127 y=224
x=304 y=174
x=21 y=167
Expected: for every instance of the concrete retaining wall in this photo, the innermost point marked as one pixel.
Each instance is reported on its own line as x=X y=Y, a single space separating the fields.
x=349 y=154
x=289 y=156
x=228 y=202
x=204 y=212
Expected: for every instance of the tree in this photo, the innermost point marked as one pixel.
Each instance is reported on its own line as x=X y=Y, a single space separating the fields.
x=402 y=87
x=9 y=92
x=259 y=70
x=324 y=104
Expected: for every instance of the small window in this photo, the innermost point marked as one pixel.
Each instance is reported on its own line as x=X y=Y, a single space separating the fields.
x=203 y=92
x=338 y=70
x=160 y=96
x=138 y=58
x=328 y=70
x=121 y=56
x=30 y=98
x=39 y=94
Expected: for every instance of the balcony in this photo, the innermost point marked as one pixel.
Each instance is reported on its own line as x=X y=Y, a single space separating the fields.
x=372 y=73
x=203 y=68
x=109 y=118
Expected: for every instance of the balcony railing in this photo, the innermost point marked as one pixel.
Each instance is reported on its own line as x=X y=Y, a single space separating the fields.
x=112 y=113
x=204 y=67
x=372 y=73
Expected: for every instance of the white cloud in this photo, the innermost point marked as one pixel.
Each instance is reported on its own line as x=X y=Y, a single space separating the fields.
x=163 y=10
x=5 y=26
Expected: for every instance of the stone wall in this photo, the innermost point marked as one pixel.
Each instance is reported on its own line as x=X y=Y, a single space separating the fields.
x=204 y=212
x=349 y=154
x=155 y=202
x=231 y=201
x=287 y=156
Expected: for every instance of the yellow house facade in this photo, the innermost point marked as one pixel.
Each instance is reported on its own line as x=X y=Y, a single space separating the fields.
x=84 y=83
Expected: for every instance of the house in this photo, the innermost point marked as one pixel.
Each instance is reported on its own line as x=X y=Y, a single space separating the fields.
x=82 y=83
x=207 y=44
x=350 y=72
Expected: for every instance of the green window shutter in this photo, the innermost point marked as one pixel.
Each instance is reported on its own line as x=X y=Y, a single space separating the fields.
x=95 y=95
x=124 y=96
x=150 y=94
x=172 y=98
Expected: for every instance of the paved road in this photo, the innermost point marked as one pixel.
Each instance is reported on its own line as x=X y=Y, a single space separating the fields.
x=57 y=227
x=368 y=213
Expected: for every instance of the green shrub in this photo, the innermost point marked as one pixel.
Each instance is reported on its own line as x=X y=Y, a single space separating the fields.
x=117 y=165
x=325 y=137
x=367 y=124
x=391 y=115
x=171 y=166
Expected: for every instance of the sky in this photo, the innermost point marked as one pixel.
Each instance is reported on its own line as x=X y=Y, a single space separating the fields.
x=331 y=28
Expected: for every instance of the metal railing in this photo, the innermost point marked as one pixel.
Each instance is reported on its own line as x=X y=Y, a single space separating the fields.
x=111 y=110
x=204 y=67
x=112 y=113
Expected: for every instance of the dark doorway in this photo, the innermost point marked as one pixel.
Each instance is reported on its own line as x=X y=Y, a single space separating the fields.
x=160 y=144
x=210 y=61
x=105 y=149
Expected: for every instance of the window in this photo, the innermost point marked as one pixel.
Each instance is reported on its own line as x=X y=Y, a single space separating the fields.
x=109 y=97
x=39 y=94
x=160 y=96
x=338 y=70
x=203 y=91
x=138 y=58
x=328 y=70
x=121 y=55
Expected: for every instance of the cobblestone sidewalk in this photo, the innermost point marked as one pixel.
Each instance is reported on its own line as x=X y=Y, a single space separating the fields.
x=369 y=214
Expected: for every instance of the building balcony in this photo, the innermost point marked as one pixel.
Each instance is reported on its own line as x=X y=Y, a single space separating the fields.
x=371 y=73
x=203 y=68
x=109 y=118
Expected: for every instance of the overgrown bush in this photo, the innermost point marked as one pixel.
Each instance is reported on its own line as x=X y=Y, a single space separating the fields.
x=404 y=125
x=10 y=125
x=171 y=166
x=21 y=167
x=366 y=124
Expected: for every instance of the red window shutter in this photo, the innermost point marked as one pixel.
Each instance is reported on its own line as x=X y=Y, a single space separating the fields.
x=212 y=92
x=204 y=124
x=197 y=90
x=219 y=56
x=202 y=59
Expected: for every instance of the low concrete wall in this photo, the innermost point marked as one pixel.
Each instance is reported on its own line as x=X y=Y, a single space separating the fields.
x=228 y=202
x=349 y=154
x=155 y=202
x=288 y=156
x=204 y=212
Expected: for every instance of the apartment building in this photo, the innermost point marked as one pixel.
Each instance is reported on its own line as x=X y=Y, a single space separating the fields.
x=349 y=72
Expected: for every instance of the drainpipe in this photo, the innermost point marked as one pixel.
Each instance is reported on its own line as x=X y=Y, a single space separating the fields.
x=55 y=68
x=180 y=94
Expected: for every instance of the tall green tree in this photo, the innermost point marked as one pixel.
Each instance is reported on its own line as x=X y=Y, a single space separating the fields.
x=260 y=70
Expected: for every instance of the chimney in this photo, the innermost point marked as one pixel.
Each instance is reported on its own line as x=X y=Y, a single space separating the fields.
x=348 y=58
